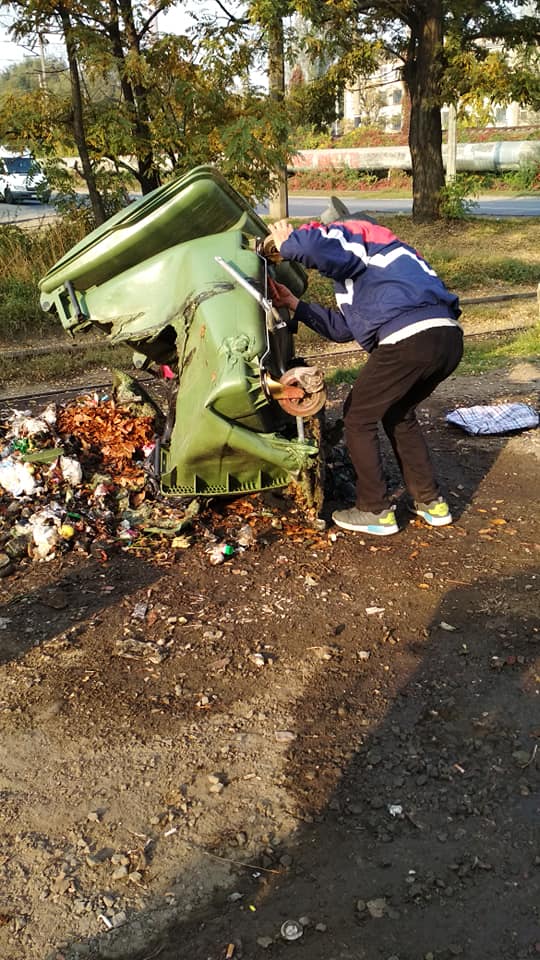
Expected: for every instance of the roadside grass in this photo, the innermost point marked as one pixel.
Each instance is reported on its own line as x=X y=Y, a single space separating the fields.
x=478 y=358
x=476 y=257
x=22 y=373
x=26 y=256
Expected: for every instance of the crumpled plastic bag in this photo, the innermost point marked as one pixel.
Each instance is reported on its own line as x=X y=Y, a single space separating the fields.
x=70 y=469
x=46 y=525
x=23 y=424
x=498 y=418
x=16 y=477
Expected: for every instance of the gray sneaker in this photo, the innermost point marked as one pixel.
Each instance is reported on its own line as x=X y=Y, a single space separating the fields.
x=381 y=524
x=437 y=513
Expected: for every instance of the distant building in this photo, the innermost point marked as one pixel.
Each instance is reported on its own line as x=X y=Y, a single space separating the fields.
x=382 y=101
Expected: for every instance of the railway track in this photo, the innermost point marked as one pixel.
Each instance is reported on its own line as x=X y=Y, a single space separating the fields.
x=326 y=359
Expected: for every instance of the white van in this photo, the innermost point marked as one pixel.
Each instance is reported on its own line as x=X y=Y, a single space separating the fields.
x=21 y=178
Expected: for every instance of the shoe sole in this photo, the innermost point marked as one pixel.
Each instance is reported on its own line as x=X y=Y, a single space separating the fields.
x=376 y=531
x=434 y=521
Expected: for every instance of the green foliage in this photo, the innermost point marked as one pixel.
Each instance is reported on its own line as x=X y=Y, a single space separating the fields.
x=310 y=138
x=466 y=272
x=349 y=180
x=526 y=178
x=20 y=313
x=28 y=76
x=480 y=357
x=26 y=256
x=456 y=197
x=81 y=361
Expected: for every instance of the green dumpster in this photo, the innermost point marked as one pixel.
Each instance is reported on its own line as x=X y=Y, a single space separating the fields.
x=182 y=276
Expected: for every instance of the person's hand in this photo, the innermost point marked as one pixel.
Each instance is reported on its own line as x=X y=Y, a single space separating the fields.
x=281 y=295
x=280 y=231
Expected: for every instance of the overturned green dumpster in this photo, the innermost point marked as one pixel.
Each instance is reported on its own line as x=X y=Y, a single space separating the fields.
x=182 y=276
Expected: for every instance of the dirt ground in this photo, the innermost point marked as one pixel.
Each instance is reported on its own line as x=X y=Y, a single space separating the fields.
x=326 y=728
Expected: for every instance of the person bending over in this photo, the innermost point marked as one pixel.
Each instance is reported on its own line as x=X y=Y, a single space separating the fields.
x=395 y=306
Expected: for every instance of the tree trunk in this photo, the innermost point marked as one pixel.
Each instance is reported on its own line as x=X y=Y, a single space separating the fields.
x=148 y=175
x=422 y=73
x=77 y=114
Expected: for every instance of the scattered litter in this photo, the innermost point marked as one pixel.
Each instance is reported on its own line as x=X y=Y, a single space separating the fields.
x=257 y=659
x=371 y=610
x=17 y=478
x=139 y=611
x=219 y=553
x=447 y=626
x=80 y=477
x=499 y=418
x=292 y=930
x=246 y=536
x=323 y=652
x=395 y=809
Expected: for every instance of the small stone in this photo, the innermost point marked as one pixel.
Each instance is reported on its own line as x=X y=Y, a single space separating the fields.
x=284 y=736
x=376 y=908
x=217 y=788
x=213 y=778
x=265 y=942
x=361 y=906
x=94 y=816
x=321 y=927
x=120 y=873
x=6 y=566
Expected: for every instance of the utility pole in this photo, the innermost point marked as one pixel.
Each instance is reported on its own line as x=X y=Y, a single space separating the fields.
x=43 y=74
x=451 y=144
x=279 y=201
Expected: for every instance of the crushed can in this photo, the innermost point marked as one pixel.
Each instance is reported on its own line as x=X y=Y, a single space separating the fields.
x=291 y=930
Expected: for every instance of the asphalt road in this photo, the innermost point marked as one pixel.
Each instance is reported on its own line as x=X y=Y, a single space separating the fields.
x=314 y=206
x=30 y=211
x=485 y=207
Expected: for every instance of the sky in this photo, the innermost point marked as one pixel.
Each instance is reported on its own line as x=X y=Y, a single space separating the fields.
x=176 y=19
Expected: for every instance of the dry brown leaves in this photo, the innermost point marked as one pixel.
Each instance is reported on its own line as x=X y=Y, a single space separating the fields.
x=108 y=433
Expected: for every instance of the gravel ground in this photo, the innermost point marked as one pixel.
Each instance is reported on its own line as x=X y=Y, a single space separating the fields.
x=325 y=729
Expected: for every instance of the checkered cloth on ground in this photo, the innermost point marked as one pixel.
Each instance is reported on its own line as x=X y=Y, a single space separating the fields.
x=500 y=418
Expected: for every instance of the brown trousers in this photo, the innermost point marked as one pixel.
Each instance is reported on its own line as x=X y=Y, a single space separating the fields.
x=394 y=380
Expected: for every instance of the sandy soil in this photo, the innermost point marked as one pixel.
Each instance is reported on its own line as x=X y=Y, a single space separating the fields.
x=328 y=729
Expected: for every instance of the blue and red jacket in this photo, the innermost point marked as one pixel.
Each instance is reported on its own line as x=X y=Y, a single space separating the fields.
x=381 y=284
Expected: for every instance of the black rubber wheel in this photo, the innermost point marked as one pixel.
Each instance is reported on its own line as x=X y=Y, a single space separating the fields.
x=8 y=196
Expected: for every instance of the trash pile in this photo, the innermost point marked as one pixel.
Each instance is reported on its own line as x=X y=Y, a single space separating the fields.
x=78 y=476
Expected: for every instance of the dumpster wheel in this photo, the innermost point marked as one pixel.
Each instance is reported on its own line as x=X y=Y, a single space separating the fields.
x=310 y=381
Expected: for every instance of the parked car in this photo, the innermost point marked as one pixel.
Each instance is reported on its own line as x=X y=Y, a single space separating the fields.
x=21 y=178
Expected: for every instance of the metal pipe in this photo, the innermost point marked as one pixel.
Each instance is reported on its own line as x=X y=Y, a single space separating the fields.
x=244 y=282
